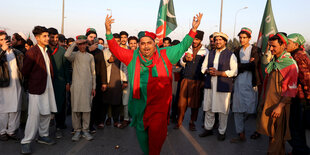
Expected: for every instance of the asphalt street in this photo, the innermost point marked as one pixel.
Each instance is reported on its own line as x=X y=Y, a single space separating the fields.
x=114 y=141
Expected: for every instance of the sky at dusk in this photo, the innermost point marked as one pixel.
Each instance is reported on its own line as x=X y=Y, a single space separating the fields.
x=291 y=16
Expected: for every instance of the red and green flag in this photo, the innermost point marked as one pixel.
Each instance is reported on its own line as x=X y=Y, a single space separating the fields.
x=267 y=27
x=166 y=20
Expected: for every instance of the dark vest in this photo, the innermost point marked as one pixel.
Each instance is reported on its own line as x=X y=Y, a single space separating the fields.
x=224 y=84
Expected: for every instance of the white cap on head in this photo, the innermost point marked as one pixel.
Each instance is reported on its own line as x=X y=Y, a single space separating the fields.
x=22 y=35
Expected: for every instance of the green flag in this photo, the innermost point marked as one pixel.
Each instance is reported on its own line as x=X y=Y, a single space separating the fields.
x=166 y=20
x=267 y=27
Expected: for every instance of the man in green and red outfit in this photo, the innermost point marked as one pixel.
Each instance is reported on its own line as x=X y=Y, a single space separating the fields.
x=150 y=79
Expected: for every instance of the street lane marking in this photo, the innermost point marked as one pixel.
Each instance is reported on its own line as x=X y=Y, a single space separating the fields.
x=192 y=140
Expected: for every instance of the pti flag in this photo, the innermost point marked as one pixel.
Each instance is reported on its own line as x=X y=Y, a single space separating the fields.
x=267 y=27
x=166 y=21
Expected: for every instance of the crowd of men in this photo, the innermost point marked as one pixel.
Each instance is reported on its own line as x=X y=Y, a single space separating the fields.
x=101 y=84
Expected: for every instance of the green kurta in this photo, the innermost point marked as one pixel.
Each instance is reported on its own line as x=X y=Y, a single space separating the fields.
x=61 y=75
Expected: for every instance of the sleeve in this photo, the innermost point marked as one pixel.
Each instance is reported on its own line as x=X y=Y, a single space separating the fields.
x=93 y=71
x=103 y=71
x=174 y=53
x=122 y=54
x=204 y=65
x=303 y=63
x=233 y=67
x=69 y=55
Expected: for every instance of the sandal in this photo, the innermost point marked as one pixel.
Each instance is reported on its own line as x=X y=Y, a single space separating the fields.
x=255 y=135
x=124 y=124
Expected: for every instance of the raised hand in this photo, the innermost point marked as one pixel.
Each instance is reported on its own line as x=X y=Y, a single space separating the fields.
x=108 y=22
x=196 y=21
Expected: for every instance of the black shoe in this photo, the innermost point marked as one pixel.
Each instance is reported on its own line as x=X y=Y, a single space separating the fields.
x=221 y=137
x=4 y=137
x=92 y=130
x=45 y=140
x=206 y=133
x=14 y=137
x=26 y=148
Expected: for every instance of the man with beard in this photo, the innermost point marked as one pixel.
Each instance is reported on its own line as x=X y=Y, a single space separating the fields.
x=192 y=83
x=150 y=78
x=124 y=39
x=83 y=87
x=245 y=85
x=301 y=103
x=38 y=72
x=101 y=80
x=212 y=43
x=11 y=63
x=221 y=66
x=61 y=81
x=18 y=41
x=280 y=85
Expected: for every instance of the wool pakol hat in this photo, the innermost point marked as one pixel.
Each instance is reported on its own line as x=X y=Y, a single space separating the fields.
x=220 y=34
x=247 y=30
x=146 y=34
x=297 y=38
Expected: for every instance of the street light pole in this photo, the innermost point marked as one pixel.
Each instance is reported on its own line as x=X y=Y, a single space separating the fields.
x=221 y=15
x=236 y=19
x=63 y=17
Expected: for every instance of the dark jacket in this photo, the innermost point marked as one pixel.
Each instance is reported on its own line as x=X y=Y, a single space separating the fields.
x=251 y=66
x=34 y=71
x=4 y=70
x=101 y=69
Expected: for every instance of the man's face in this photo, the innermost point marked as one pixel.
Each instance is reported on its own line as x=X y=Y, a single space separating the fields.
x=291 y=46
x=196 y=42
x=118 y=40
x=53 y=39
x=124 y=39
x=2 y=40
x=42 y=39
x=220 y=43
x=166 y=43
x=14 y=41
x=82 y=46
x=133 y=44
x=91 y=37
x=147 y=47
x=212 y=43
x=275 y=48
x=27 y=47
x=100 y=42
x=244 y=39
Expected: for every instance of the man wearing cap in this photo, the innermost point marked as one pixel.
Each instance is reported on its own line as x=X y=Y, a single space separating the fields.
x=61 y=81
x=11 y=63
x=245 y=85
x=220 y=66
x=38 y=74
x=192 y=84
x=300 y=103
x=150 y=78
x=280 y=85
x=82 y=88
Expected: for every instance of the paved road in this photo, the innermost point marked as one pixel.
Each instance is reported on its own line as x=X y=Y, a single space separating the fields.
x=178 y=142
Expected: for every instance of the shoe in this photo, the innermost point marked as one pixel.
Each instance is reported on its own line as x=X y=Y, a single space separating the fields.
x=45 y=140
x=13 y=136
x=240 y=138
x=101 y=126
x=26 y=148
x=76 y=136
x=206 y=133
x=255 y=135
x=108 y=121
x=92 y=130
x=221 y=137
x=58 y=134
x=124 y=124
x=117 y=124
x=87 y=136
x=4 y=137
x=192 y=127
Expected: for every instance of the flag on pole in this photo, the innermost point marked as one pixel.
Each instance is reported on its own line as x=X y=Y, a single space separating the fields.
x=267 y=27
x=166 y=20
